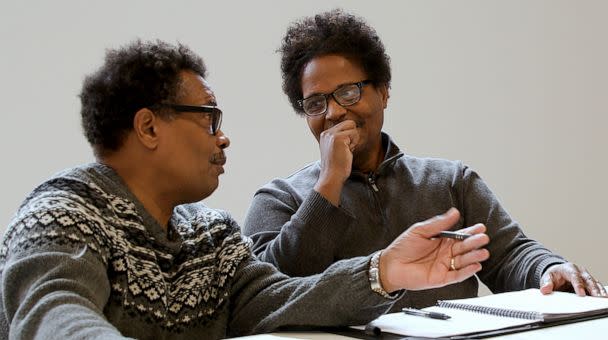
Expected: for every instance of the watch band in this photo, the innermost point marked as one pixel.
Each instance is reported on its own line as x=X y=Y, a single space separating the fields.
x=374 y=277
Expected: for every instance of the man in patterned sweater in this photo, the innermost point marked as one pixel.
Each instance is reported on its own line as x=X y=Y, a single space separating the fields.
x=120 y=248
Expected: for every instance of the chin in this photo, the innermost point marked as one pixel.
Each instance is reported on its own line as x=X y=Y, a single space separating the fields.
x=211 y=187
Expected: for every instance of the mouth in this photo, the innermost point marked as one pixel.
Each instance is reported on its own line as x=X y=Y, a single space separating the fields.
x=218 y=159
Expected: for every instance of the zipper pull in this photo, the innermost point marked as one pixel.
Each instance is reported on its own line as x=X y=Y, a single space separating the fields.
x=372 y=181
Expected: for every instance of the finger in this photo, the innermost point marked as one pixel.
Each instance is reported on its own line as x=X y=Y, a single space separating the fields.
x=344 y=125
x=338 y=132
x=601 y=289
x=475 y=229
x=560 y=277
x=472 y=257
x=434 y=225
x=547 y=287
x=546 y=282
x=470 y=243
x=578 y=284
x=354 y=138
x=462 y=274
x=590 y=283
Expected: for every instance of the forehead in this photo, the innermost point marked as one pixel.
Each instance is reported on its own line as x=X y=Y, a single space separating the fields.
x=194 y=90
x=326 y=73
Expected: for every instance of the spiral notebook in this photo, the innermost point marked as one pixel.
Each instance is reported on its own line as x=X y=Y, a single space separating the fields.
x=496 y=314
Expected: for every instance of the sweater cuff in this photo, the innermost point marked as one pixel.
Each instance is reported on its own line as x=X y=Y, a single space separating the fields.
x=359 y=269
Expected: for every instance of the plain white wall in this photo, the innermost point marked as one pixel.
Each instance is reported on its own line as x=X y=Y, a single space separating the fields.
x=516 y=89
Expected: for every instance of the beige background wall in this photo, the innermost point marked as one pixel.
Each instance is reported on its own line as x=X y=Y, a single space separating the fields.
x=516 y=89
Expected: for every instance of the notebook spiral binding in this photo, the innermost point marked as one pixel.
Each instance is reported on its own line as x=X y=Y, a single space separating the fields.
x=492 y=310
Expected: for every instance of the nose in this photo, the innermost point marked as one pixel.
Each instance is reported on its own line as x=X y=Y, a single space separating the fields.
x=222 y=140
x=335 y=112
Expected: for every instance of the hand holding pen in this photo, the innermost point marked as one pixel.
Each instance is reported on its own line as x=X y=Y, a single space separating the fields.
x=424 y=256
x=453 y=235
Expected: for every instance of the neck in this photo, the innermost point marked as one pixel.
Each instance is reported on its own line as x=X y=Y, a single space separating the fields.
x=144 y=185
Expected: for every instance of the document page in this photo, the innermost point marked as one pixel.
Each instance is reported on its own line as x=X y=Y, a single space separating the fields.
x=461 y=322
x=532 y=300
x=465 y=322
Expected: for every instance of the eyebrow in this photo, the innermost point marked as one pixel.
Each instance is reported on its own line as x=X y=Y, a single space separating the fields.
x=210 y=102
x=338 y=87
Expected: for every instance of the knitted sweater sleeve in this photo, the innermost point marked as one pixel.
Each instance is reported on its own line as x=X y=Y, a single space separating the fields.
x=283 y=228
x=53 y=283
x=516 y=261
x=265 y=300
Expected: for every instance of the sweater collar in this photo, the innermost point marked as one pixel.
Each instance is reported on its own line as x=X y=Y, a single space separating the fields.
x=391 y=154
x=109 y=180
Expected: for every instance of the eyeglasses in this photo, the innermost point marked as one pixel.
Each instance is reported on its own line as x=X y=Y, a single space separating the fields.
x=346 y=95
x=212 y=112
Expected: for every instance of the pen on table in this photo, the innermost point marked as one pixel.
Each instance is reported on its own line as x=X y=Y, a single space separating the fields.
x=452 y=234
x=426 y=314
x=372 y=329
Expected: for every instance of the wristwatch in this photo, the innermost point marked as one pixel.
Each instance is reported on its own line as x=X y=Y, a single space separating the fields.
x=374 y=277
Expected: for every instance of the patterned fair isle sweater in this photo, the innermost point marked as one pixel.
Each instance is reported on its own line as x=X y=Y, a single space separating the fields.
x=82 y=258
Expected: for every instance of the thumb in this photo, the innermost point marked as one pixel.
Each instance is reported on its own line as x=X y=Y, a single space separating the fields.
x=434 y=225
x=547 y=285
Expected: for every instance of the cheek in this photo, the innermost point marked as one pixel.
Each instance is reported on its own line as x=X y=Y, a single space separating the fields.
x=373 y=114
x=316 y=126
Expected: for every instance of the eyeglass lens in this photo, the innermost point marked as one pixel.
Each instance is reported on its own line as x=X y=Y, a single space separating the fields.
x=345 y=96
x=216 y=120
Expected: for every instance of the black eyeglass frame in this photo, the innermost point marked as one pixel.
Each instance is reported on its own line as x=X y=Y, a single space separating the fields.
x=215 y=113
x=359 y=85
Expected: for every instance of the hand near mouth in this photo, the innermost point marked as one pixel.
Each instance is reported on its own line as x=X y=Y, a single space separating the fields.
x=336 y=145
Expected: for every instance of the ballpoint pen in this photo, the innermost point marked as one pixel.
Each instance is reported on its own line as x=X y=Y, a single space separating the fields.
x=452 y=234
x=426 y=314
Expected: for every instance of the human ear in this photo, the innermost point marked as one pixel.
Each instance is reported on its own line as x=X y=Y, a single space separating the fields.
x=145 y=125
x=385 y=93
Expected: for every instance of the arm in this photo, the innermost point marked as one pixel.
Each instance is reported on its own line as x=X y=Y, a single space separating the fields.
x=283 y=229
x=264 y=300
x=52 y=289
x=517 y=262
x=285 y=226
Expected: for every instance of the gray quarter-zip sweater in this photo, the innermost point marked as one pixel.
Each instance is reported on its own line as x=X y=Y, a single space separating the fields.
x=299 y=231
x=83 y=259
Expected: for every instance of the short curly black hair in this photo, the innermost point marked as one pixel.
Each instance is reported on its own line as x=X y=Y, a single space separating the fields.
x=138 y=75
x=332 y=32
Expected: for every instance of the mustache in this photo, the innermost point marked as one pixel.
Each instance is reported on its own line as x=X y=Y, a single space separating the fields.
x=218 y=158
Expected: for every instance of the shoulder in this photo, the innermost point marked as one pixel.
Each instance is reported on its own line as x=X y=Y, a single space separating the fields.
x=196 y=221
x=428 y=169
x=299 y=181
x=431 y=164
x=71 y=185
x=200 y=215
x=63 y=211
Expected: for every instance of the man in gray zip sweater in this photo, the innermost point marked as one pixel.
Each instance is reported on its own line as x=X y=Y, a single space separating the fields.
x=364 y=191
x=121 y=248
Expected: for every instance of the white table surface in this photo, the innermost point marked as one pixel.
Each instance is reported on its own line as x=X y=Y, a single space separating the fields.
x=587 y=330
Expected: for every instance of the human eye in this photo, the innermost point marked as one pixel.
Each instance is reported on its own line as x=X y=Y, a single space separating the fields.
x=348 y=92
x=314 y=104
